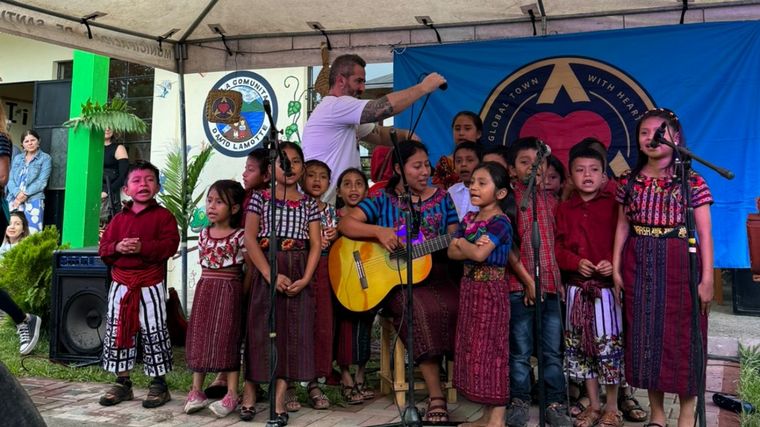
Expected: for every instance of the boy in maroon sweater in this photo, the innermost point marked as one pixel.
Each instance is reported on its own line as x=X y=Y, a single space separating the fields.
x=136 y=244
x=585 y=233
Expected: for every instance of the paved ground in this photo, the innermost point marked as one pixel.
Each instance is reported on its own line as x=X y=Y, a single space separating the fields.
x=75 y=404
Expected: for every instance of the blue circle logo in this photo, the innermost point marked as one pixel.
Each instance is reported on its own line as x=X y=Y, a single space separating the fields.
x=240 y=138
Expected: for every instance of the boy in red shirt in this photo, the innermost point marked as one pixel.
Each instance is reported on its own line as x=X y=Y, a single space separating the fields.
x=136 y=244
x=586 y=224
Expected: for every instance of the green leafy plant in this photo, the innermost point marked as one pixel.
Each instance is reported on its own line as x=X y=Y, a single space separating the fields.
x=172 y=185
x=26 y=271
x=749 y=382
x=115 y=115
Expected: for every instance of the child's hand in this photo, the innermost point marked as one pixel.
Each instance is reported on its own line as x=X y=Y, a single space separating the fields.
x=331 y=233
x=129 y=245
x=282 y=282
x=482 y=240
x=706 y=293
x=617 y=291
x=530 y=294
x=586 y=268
x=604 y=268
x=325 y=242
x=296 y=287
x=561 y=293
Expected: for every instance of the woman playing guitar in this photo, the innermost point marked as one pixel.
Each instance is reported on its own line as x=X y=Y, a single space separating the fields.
x=435 y=298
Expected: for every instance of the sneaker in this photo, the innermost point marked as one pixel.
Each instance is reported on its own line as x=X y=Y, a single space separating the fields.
x=158 y=394
x=518 y=413
x=196 y=401
x=556 y=415
x=222 y=408
x=28 y=333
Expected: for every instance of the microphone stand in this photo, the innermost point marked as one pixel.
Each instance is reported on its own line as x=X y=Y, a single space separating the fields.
x=535 y=240
x=272 y=145
x=683 y=159
x=410 y=416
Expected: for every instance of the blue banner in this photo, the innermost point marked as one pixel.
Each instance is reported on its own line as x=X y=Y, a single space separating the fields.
x=567 y=87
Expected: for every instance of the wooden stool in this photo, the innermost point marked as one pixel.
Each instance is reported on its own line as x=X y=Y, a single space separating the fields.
x=396 y=381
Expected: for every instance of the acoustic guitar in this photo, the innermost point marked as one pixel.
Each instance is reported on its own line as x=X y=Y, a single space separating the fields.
x=363 y=272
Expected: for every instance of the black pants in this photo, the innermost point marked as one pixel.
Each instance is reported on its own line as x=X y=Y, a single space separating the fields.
x=7 y=305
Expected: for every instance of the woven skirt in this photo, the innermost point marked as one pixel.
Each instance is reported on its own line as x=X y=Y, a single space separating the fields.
x=214 y=330
x=294 y=325
x=481 y=371
x=659 y=351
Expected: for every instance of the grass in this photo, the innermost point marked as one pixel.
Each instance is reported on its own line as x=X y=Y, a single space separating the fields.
x=749 y=383
x=38 y=364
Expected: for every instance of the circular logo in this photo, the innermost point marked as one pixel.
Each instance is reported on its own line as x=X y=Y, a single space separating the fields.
x=565 y=99
x=240 y=138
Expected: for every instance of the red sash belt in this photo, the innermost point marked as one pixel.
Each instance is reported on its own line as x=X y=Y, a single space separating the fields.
x=583 y=314
x=129 y=306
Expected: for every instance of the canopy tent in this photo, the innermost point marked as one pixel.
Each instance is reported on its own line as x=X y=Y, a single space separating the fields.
x=216 y=35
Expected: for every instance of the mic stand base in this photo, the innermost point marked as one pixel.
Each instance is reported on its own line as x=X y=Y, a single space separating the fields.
x=411 y=418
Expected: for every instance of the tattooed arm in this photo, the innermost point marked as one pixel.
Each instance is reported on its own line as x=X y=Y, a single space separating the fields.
x=396 y=102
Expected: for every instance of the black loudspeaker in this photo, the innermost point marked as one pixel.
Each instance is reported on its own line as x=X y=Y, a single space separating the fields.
x=745 y=293
x=79 y=302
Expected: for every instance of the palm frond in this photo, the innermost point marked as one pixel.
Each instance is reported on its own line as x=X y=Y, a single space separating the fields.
x=115 y=115
x=180 y=204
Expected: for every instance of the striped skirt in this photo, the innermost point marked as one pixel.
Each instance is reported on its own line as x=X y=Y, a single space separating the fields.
x=481 y=371
x=436 y=302
x=214 y=330
x=324 y=326
x=659 y=350
x=156 y=344
x=294 y=324
x=606 y=361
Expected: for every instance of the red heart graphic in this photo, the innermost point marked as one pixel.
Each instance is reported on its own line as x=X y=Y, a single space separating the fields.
x=223 y=107
x=561 y=133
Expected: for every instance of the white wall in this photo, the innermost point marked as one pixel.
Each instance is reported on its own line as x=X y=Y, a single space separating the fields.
x=166 y=134
x=26 y=60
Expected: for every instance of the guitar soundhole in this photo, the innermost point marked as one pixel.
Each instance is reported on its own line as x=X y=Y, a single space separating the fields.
x=397 y=260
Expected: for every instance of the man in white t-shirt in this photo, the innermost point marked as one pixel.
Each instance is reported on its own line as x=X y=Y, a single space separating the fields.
x=341 y=120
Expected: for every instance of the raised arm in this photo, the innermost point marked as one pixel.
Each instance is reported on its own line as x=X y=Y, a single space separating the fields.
x=396 y=102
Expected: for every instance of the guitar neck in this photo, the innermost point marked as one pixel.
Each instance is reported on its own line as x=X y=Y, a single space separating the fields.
x=429 y=246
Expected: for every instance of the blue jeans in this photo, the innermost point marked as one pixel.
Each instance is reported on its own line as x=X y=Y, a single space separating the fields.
x=521 y=325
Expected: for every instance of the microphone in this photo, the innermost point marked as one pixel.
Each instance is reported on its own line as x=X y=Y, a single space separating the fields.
x=287 y=169
x=659 y=134
x=544 y=148
x=442 y=86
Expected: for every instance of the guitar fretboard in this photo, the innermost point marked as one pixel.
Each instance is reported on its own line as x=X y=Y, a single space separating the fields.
x=430 y=246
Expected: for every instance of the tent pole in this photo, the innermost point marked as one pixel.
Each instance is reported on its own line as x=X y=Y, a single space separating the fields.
x=180 y=55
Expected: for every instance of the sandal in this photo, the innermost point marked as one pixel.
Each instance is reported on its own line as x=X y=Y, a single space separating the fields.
x=317 y=399
x=281 y=419
x=291 y=400
x=611 y=419
x=352 y=395
x=366 y=392
x=578 y=407
x=436 y=412
x=588 y=418
x=117 y=394
x=631 y=409
x=216 y=390
x=247 y=413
